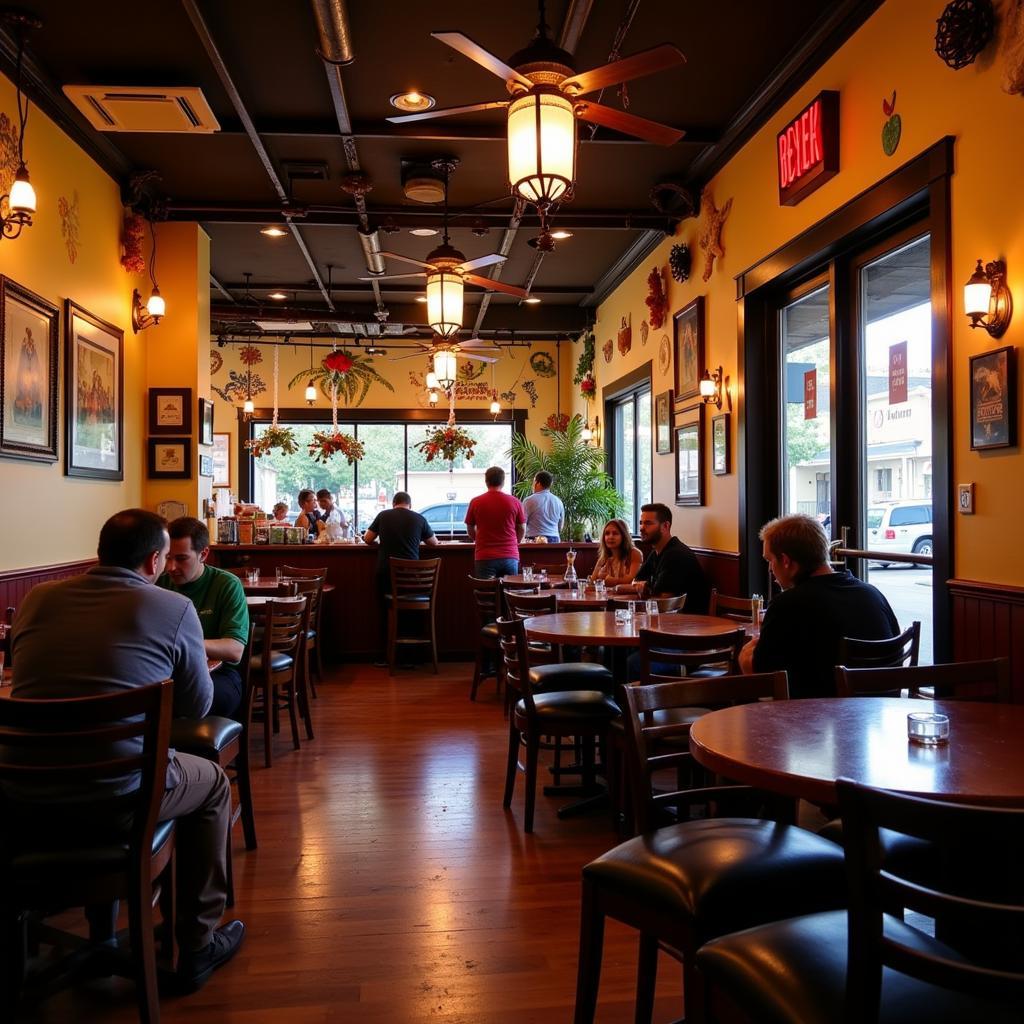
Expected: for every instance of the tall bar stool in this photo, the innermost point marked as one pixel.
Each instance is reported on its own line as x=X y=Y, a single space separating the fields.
x=414 y=591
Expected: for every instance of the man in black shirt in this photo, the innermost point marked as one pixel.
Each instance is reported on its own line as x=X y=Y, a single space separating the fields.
x=670 y=568
x=817 y=607
x=398 y=532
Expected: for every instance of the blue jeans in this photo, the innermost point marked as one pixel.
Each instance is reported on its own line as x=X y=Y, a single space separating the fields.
x=490 y=568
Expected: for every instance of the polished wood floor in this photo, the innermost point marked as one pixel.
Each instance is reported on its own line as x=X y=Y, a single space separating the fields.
x=391 y=886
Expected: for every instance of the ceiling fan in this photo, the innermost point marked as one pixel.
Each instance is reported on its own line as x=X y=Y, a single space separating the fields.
x=448 y=271
x=545 y=102
x=455 y=347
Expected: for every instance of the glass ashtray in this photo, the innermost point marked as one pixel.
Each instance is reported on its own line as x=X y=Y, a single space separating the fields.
x=927 y=728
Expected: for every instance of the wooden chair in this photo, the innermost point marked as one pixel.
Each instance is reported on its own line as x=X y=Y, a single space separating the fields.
x=963 y=680
x=312 y=590
x=295 y=572
x=281 y=624
x=523 y=604
x=739 y=608
x=694 y=656
x=226 y=742
x=414 y=591
x=898 y=652
x=487 y=602
x=556 y=700
x=866 y=965
x=61 y=855
x=683 y=884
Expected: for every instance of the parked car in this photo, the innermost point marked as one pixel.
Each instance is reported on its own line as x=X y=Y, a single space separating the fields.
x=902 y=526
x=446 y=518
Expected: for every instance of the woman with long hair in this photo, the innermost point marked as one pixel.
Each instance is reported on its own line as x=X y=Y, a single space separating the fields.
x=618 y=558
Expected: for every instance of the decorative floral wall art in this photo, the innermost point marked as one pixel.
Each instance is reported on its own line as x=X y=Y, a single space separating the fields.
x=69 y=227
x=608 y=348
x=893 y=127
x=710 y=237
x=657 y=299
x=132 y=233
x=543 y=364
x=625 y=335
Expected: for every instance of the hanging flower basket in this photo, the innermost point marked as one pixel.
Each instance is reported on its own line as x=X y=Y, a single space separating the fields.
x=352 y=375
x=325 y=445
x=273 y=437
x=588 y=387
x=446 y=443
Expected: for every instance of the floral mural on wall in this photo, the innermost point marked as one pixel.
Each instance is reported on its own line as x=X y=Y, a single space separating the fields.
x=67 y=209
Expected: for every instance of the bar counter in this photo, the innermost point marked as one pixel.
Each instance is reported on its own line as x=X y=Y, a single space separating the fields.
x=351 y=613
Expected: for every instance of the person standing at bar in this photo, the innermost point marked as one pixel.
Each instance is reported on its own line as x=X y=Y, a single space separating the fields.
x=496 y=523
x=329 y=513
x=544 y=510
x=308 y=516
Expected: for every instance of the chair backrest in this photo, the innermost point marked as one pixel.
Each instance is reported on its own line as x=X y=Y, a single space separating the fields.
x=315 y=573
x=984 y=904
x=486 y=599
x=658 y=730
x=897 y=652
x=723 y=605
x=987 y=680
x=665 y=604
x=286 y=588
x=71 y=746
x=522 y=606
x=595 y=604
x=515 y=653
x=688 y=652
x=414 y=578
x=312 y=588
x=283 y=623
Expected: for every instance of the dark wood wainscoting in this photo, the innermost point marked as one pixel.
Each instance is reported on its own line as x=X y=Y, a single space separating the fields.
x=988 y=622
x=16 y=583
x=722 y=569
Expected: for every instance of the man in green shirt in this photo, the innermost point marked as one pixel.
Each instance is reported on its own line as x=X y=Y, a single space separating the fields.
x=220 y=602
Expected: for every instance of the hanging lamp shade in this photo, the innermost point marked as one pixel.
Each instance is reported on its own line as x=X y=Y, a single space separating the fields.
x=23 y=195
x=156 y=307
x=445 y=369
x=541 y=147
x=444 y=302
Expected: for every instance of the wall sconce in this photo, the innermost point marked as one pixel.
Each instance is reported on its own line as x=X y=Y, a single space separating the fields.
x=711 y=387
x=987 y=300
x=21 y=201
x=149 y=315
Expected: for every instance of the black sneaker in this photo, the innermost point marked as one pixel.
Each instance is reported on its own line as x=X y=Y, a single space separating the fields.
x=194 y=969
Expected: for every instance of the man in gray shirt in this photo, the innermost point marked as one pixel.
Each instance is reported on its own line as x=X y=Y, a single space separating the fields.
x=109 y=630
x=544 y=510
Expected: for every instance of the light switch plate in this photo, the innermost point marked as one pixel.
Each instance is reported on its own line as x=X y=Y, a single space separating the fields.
x=965 y=499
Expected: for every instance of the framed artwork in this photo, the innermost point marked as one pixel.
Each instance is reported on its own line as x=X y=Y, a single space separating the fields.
x=663 y=422
x=29 y=360
x=720 y=444
x=206 y=465
x=994 y=399
x=170 y=458
x=170 y=410
x=93 y=396
x=688 y=329
x=205 y=421
x=690 y=456
x=221 y=460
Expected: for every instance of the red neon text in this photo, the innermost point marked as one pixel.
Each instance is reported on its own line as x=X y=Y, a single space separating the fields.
x=800 y=146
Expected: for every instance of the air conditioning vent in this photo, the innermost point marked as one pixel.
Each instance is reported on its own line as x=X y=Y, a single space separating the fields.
x=143 y=109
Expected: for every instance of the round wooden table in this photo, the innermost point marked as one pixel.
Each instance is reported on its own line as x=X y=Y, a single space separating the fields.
x=601 y=628
x=518 y=581
x=800 y=747
x=270 y=583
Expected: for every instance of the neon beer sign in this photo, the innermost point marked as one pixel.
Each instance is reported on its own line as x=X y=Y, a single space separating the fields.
x=807 y=149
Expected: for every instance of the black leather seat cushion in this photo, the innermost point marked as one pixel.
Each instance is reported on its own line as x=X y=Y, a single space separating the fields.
x=794 y=971
x=572 y=704
x=907 y=856
x=279 y=662
x=575 y=675
x=204 y=736
x=726 y=874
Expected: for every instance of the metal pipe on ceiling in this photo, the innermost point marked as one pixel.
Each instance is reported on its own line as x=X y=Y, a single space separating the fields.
x=370 y=241
x=333 y=29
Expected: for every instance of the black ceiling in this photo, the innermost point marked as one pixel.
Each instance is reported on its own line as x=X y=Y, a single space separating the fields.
x=257 y=60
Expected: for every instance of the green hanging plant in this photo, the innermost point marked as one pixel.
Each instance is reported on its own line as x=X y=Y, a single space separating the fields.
x=352 y=375
x=585 y=363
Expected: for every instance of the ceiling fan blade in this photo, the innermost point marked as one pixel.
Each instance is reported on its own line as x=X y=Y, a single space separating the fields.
x=411 y=355
x=483 y=261
x=406 y=259
x=496 y=286
x=426 y=115
x=475 y=52
x=628 y=124
x=646 y=62
x=389 y=277
x=479 y=359
x=476 y=343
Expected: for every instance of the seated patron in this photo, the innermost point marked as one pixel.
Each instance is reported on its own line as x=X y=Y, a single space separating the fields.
x=618 y=558
x=219 y=600
x=111 y=629
x=280 y=516
x=545 y=512
x=308 y=517
x=817 y=607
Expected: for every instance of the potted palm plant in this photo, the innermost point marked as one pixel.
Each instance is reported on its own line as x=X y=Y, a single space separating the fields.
x=586 y=490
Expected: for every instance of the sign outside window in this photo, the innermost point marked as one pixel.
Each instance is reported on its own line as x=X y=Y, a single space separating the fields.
x=898 y=373
x=811 y=395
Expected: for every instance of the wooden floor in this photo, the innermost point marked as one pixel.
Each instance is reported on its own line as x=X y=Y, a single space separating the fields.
x=391 y=886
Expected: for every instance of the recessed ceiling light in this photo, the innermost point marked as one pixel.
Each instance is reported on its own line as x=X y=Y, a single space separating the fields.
x=412 y=102
x=273 y=231
x=277 y=295
x=532 y=301
x=560 y=234
x=421 y=298
x=423 y=232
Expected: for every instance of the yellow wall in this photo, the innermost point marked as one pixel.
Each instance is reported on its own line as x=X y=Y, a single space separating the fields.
x=53 y=518
x=893 y=50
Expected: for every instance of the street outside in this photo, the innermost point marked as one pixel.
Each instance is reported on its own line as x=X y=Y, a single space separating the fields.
x=909 y=590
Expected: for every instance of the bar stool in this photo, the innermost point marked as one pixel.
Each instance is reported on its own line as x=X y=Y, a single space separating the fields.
x=413 y=590
x=486 y=600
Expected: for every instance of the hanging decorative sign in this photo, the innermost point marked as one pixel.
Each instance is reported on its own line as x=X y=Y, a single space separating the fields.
x=898 y=373
x=811 y=395
x=808 y=149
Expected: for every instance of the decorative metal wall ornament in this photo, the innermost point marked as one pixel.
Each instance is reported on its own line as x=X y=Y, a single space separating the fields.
x=68 y=213
x=608 y=348
x=132 y=234
x=893 y=128
x=216 y=361
x=679 y=262
x=664 y=355
x=710 y=237
x=964 y=30
x=542 y=364
x=657 y=299
x=673 y=199
x=531 y=390
x=644 y=331
x=625 y=334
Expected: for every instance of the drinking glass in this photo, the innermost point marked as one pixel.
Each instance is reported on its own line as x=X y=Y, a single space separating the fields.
x=652 y=611
x=543 y=575
x=621 y=616
x=927 y=728
x=279 y=574
x=527 y=573
x=599 y=587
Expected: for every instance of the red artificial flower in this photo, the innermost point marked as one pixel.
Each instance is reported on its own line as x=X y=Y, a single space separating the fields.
x=338 y=362
x=588 y=384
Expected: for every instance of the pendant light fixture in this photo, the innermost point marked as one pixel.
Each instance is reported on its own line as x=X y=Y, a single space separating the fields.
x=250 y=406
x=310 y=387
x=21 y=201
x=155 y=306
x=433 y=398
x=495 y=404
x=445 y=284
x=445 y=369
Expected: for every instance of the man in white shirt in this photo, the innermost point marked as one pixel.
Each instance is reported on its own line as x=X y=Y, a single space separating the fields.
x=329 y=513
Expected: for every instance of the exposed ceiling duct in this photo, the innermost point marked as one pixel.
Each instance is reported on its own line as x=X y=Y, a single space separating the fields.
x=333 y=29
x=370 y=241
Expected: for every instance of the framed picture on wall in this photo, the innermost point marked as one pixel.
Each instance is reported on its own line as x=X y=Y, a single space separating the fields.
x=170 y=458
x=720 y=444
x=690 y=456
x=663 y=422
x=994 y=399
x=221 y=460
x=170 y=410
x=29 y=358
x=688 y=330
x=205 y=421
x=206 y=465
x=93 y=396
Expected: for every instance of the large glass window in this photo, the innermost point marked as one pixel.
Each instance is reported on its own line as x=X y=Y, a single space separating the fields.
x=631 y=450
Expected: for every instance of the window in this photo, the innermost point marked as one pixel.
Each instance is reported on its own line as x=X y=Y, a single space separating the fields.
x=910 y=515
x=631 y=448
x=883 y=480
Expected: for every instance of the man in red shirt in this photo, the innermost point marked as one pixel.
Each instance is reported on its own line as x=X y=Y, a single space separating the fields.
x=496 y=523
